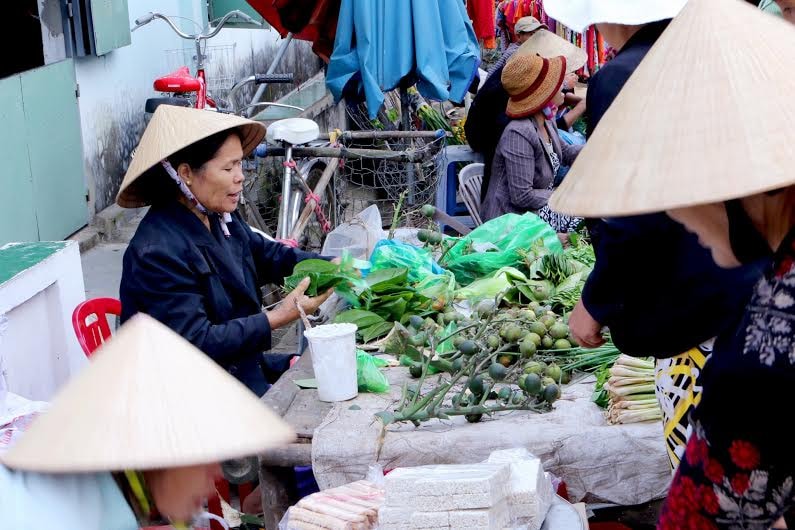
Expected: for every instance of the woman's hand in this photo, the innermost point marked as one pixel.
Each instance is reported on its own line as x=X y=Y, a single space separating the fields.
x=585 y=330
x=287 y=311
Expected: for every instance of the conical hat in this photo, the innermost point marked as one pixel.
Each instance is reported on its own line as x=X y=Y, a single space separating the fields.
x=148 y=399
x=579 y=14
x=170 y=130
x=693 y=123
x=548 y=45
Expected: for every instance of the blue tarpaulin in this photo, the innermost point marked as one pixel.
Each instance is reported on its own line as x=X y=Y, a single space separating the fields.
x=379 y=43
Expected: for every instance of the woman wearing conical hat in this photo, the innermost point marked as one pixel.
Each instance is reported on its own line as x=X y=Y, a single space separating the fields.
x=134 y=439
x=736 y=193
x=194 y=264
x=530 y=152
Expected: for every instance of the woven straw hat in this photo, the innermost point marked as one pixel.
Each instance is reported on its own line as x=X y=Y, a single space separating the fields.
x=547 y=44
x=687 y=128
x=528 y=25
x=148 y=399
x=579 y=14
x=531 y=82
x=170 y=130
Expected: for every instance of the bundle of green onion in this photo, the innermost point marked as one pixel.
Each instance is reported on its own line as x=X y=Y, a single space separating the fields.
x=631 y=391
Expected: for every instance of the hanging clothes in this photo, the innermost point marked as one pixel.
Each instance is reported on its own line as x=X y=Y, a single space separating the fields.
x=481 y=13
x=510 y=11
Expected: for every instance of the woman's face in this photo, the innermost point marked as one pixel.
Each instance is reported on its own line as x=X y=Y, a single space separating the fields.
x=710 y=223
x=218 y=183
x=559 y=99
x=179 y=493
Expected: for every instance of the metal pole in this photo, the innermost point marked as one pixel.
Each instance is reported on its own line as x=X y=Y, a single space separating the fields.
x=405 y=109
x=284 y=212
x=276 y=60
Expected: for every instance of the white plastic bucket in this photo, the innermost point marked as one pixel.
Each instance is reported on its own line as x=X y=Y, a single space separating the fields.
x=333 y=348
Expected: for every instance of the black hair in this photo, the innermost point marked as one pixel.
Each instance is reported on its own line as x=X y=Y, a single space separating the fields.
x=199 y=153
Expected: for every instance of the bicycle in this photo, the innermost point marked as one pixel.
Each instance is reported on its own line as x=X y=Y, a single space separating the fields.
x=190 y=90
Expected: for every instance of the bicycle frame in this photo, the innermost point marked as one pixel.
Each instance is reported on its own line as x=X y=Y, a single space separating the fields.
x=197 y=38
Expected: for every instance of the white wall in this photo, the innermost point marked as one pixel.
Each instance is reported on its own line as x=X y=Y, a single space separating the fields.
x=114 y=88
x=38 y=347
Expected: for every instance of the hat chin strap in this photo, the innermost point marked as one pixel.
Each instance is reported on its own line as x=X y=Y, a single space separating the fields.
x=227 y=217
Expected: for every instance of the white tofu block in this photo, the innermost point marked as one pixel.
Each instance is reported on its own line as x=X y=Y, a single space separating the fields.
x=469 y=486
x=495 y=518
x=529 y=492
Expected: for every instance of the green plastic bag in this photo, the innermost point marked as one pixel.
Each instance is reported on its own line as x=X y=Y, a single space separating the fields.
x=500 y=282
x=389 y=253
x=508 y=233
x=368 y=375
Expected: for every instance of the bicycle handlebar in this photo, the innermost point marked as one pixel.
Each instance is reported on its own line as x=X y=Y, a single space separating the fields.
x=269 y=79
x=149 y=17
x=258 y=79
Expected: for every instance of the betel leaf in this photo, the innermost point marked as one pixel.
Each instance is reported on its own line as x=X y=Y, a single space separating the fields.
x=315 y=265
x=375 y=331
x=392 y=310
x=362 y=319
x=384 y=279
x=323 y=275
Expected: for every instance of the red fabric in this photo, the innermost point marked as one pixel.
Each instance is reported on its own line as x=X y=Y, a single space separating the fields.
x=482 y=14
x=310 y=20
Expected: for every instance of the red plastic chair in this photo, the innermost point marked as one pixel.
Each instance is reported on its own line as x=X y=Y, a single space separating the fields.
x=92 y=334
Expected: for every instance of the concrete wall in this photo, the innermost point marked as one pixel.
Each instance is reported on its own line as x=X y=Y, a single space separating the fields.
x=38 y=347
x=114 y=87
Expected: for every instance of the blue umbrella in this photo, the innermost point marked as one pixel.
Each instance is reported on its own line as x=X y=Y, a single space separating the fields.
x=381 y=43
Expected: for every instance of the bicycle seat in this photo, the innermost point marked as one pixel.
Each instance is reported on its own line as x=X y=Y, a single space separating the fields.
x=295 y=131
x=179 y=80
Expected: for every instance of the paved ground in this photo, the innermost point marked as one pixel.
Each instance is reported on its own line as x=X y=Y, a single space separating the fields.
x=102 y=269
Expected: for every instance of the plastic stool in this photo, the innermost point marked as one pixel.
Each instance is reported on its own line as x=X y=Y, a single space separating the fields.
x=448 y=181
x=305 y=483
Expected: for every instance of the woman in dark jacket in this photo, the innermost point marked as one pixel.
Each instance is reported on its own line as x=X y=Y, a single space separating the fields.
x=194 y=264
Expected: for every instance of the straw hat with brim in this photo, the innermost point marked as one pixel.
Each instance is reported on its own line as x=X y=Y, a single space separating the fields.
x=531 y=82
x=170 y=130
x=148 y=399
x=579 y=14
x=686 y=128
x=547 y=44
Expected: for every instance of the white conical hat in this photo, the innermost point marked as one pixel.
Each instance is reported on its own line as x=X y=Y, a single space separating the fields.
x=170 y=130
x=147 y=400
x=579 y=14
x=548 y=45
x=706 y=117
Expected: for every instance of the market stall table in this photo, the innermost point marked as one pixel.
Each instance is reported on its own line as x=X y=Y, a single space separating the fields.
x=618 y=464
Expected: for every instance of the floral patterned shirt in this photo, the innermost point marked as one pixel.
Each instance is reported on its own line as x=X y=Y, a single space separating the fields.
x=749 y=381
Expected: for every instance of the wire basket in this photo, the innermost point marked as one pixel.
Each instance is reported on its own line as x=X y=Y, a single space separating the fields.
x=381 y=180
x=219 y=65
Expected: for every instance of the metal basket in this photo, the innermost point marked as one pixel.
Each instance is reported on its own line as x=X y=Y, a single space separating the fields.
x=219 y=65
x=380 y=181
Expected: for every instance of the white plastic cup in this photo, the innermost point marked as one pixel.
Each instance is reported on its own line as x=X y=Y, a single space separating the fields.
x=333 y=348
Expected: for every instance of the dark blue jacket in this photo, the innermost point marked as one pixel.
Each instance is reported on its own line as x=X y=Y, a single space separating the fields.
x=486 y=122
x=656 y=288
x=206 y=287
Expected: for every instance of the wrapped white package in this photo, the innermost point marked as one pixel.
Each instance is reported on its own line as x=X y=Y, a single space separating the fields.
x=447 y=487
x=529 y=492
x=406 y=518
